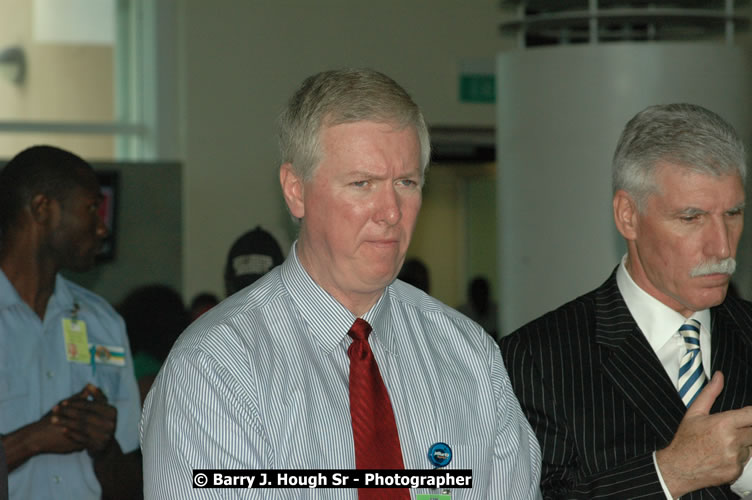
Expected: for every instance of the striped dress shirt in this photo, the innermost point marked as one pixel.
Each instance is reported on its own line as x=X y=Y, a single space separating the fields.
x=261 y=382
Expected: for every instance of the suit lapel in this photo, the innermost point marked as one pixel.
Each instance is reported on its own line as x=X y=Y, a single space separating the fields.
x=631 y=364
x=732 y=353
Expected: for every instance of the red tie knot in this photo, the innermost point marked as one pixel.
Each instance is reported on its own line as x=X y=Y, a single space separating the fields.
x=360 y=330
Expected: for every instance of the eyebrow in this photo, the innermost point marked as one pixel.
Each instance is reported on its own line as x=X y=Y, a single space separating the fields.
x=691 y=211
x=737 y=207
x=364 y=174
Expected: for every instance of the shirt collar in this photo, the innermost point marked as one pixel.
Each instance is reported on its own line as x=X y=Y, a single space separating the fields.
x=657 y=321
x=327 y=319
x=8 y=294
x=61 y=296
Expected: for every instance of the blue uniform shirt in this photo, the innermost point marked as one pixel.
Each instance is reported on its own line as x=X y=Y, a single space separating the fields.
x=35 y=375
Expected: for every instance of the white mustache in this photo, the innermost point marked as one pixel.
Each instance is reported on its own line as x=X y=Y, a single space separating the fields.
x=725 y=266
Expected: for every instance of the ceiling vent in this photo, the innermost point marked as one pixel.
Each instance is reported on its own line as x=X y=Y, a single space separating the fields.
x=562 y=22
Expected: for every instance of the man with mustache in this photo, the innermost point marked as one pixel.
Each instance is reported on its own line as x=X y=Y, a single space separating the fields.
x=640 y=388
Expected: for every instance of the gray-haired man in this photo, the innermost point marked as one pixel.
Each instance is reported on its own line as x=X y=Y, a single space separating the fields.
x=268 y=379
x=612 y=382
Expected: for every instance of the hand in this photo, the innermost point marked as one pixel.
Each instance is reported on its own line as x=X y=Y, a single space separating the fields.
x=87 y=419
x=707 y=450
x=45 y=436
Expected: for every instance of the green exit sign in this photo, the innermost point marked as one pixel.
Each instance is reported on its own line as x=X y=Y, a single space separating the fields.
x=477 y=88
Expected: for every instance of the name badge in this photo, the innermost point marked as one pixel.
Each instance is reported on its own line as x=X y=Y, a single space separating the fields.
x=76 y=341
x=433 y=496
x=108 y=354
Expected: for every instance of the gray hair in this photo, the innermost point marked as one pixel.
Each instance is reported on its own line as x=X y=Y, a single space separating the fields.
x=344 y=96
x=682 y=134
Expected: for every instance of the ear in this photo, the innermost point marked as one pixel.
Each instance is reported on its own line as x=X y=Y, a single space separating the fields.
x=42 y=208
x=625 y=215
x=292 y=190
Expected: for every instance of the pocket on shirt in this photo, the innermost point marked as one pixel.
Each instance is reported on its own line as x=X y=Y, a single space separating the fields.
x=107 y=378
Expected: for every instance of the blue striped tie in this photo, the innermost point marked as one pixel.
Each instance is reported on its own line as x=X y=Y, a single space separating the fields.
x=691 y=376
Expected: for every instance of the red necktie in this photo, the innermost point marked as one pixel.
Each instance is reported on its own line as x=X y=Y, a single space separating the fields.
x=374 y=429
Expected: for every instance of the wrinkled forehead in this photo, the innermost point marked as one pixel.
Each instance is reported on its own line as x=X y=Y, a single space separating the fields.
x=687 y=186
x=667 y=173
x=341 y=138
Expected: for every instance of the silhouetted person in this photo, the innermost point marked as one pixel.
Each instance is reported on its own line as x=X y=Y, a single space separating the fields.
x=201 y=303
x=415 y=272
x=480 y=307
x=251 y=256
x=154 y=317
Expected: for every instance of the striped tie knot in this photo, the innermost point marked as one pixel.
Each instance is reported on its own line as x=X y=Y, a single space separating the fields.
x=691 y=333
x=691 y=375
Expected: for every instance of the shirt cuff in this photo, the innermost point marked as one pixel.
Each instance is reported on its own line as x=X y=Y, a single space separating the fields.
x=660 y=478
x=743 y=485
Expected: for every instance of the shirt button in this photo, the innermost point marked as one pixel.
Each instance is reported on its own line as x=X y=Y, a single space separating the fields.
x=50 y=374
x=56 y=479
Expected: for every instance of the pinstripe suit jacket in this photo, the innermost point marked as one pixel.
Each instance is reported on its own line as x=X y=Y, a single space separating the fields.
x=599 y=399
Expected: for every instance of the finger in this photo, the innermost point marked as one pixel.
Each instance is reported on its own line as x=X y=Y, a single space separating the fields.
x=77 y=436
x=82 y=394
x=74 y=408
x=86 y=405
x=704 y=401
x=68 y=422
x=89 y=433
x=97 y=394
x=74 y=397
x=87 y=413
x=744 y=437
x=90 y=414
x=742 y=417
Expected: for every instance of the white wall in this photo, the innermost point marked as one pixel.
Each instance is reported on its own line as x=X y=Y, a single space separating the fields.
x=242 y=59
x=65 y=81
x=560 y=113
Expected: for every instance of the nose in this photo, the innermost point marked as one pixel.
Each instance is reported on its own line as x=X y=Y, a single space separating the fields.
x=719 y=244
x=388 y=209
x=102 y=230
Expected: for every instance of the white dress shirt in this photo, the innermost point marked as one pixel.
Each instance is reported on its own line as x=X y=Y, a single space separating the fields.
x=660 y=325
x=261 y=382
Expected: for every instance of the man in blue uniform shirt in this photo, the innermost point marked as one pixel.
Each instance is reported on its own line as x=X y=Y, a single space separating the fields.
x=273 y=377
x=68 y=398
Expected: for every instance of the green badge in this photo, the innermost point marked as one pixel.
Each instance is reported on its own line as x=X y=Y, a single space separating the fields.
x=76 y=342
x=433 y=496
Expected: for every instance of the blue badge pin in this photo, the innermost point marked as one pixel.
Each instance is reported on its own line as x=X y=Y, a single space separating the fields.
x=440 y=454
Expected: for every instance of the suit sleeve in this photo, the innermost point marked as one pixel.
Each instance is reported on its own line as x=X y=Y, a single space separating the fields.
x=563 y=473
